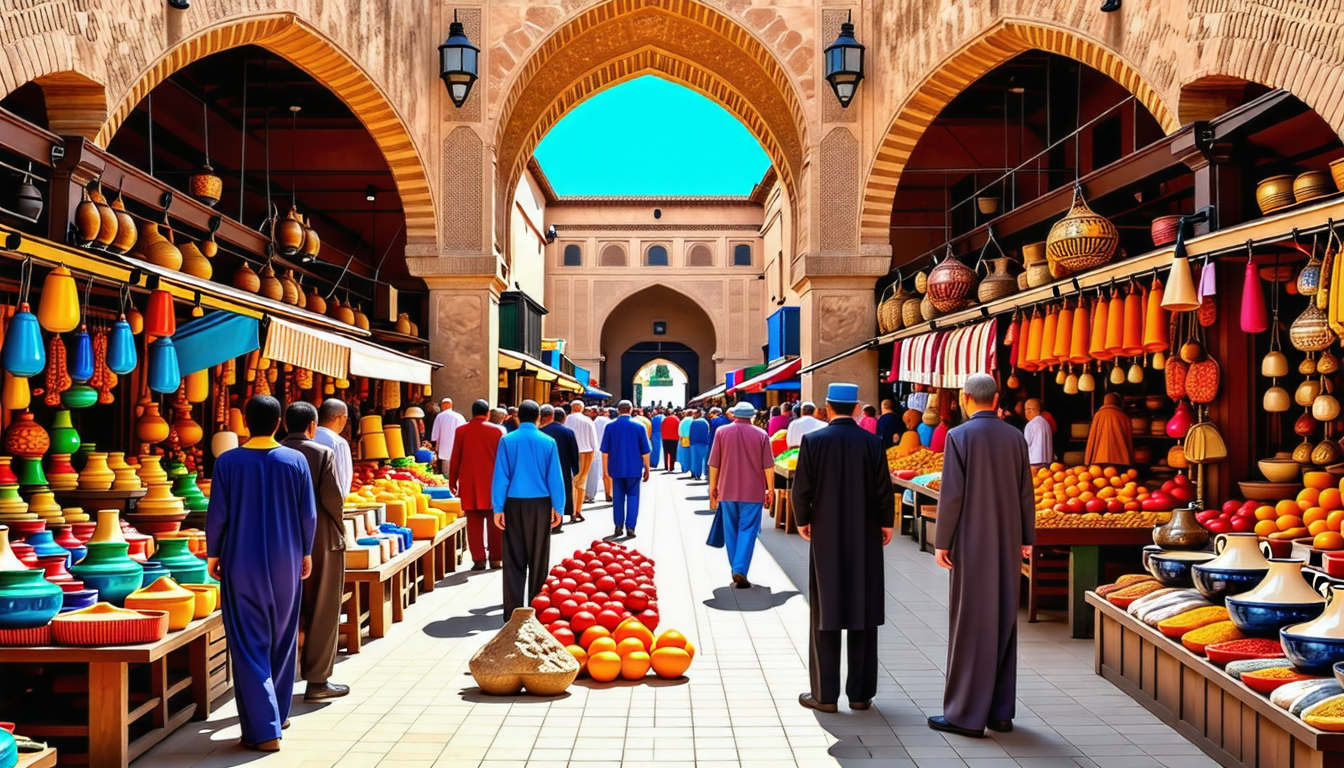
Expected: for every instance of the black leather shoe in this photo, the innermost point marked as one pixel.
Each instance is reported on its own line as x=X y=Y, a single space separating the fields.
x=939 y=723
x=284 y=726
x=478 y=566
x=807 y=701
x=860 y=706
x=629 y=533
x=740 y=581
x=1000 y=726
x=324 y=691
x=619 y=531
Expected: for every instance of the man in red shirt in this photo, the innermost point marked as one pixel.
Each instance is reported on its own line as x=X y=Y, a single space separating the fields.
x=471 y=468
x=671 y=435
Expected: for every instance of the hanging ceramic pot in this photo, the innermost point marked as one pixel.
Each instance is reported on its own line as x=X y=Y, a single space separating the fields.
x=194 y=262
x=23 y=354
x=16 y=395
x=80 y=365
x=270 y=285
x=997 y=284
x=205 y=186
x=1276 y=399
x=311 y=242
x=1309 y=279
x=1081 y=240
x=28 y=200
x=1117 y=374
x=1155 y=320
x=289 y=233
x=136 y=321
x=188 y=431
x=58 y=311
x=1325 y=408
x=122 y=357
x=1310 y=332
x=1180 y=422
x=1100 y=315
x=87 y=219
x=1082 y=326
x=1274 y=365
x=950 y=284
x=1254 y=317
x=126 y=234
x=151 y=427
x=1061 y=377
x=25 y=438
x=160 y=317
x=164 y=375
x=244 y=279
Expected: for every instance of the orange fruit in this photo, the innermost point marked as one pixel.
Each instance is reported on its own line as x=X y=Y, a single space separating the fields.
x=1328 y=540
x=1117 y=482
x=1336 y=520
x=605 y=666
x=1266 y=527
x=635 y=665
x=1308 y=498
x=634 y=628
x=1317 y=527
x=670 y=639
x=690 y=648
x=601 y=645
x=1266 y=512
x=629 y=645
x=1331 y=499
x=1286 y=507
x=1110 y=472
x=1318 y=481
x=592 y=633
x=670 y=662
x=579 y=654
x=1313 y=515
x=1289 y=522
x=1100 y=483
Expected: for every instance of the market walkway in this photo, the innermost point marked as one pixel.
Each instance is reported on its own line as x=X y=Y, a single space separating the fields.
x=412 y=703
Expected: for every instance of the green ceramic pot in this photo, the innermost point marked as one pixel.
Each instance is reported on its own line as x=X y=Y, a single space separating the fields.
x=181 y=562
x=108 y=569
x=64 y=438
x=29 y=472
x=185 y=487
x=27 y=599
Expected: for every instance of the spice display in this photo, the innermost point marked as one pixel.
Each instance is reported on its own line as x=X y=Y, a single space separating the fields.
x=1239 y=650
x=1238 y=668
x=1218 y=632
x=1127 y=580
x=922 y=461
x=1124 y=597
x=1190 y=620
x=1266 y=680
x=1326 y=715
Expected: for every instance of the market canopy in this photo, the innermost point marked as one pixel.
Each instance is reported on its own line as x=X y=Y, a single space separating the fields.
x=513 y=360
x=597 y=393
x=785 y=369
x=946 y=358
x=709 y=393
x=334 y=355
x=210 y=340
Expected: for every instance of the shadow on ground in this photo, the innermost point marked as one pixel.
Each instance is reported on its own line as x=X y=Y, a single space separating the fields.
x=476 y=696
x=756 y=598
x=479 y=620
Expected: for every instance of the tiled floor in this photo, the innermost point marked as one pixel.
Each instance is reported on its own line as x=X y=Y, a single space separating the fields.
x=413 y=704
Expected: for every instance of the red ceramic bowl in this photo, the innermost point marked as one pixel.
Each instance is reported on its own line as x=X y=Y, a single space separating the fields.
x=1334 y=564
x=1266 y=685
x=1245 y=648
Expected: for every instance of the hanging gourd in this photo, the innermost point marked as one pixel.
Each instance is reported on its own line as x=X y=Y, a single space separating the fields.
x=1097 y=343
x=194 y=262
x=160 y=319
x=1086 y=382
x=1180 y=421
x=81 y=361
x=311 y=242
x=87 y=219
x=121 y=354
x=107 y=217
x=1081 y=328
x=360 y=320
x=1063 y=334
x=270 y=285
x=1115 y=325
x=58 y=310
x=1155 y=320
x=164 y=375
x=136 y=319
x=289 y=234
x=316 y=303
x=1131 y=339
x=244 y=279
x=126 y=235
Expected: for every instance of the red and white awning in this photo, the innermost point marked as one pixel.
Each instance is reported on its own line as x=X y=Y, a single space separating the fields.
x=945 y=358
x=779 y=373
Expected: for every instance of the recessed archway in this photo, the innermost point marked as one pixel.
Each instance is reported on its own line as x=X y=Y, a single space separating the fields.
x=660 y=380
x=658 y=322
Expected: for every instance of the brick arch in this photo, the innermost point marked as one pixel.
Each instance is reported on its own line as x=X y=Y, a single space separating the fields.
x=613 y=314
x=1004 y=41
x=76 y=101
x=683 y=41
x=308 y=49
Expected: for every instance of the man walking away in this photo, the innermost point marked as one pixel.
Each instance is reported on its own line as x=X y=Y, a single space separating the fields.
x=321 y=612
x=804 y=424
x=332 y=417
x=986 y=524
x=471 y=472
x=445 y=431
x=529 y=492
x=656 y=438
x=259 y=531
x=567 y=448
x=585 y=435
x=844 y=506
x=625 y=456
x=782 y=420
x=888 y=424
x=698 y=454
x=741 y=483
x=599 y=429
x=671 y=436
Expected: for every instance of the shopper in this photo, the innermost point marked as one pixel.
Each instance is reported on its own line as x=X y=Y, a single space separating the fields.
x=320 y=616
x=656 y=438
x=1040 y=440
x=259 y=534
x=698 y=452
x=869 y=419
x=567 y=448
x=986 y=524
x=782 y=420
x=625 y=456
x=843 y=502
x=671 y=436
x=741 y=484
x=599 y=429
x=528 y=492
x=888 y=424
x=331 y=420
x=471 y=471
x=445 y=430
x=804 y=424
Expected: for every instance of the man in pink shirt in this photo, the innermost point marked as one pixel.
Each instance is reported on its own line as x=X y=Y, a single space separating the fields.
x=741 y=483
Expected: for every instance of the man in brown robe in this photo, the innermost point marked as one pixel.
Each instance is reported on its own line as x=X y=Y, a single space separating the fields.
x=320 y=615
x=986 y=524
x=844 y=505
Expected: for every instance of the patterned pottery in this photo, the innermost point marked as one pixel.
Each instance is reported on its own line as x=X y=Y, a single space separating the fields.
x=105 y=624
x=951 y=284
x=1283 y=598
x=1311 y=185
x=1083 y=239
x=1274 y=193
x=1238 y=568
x=25 y=438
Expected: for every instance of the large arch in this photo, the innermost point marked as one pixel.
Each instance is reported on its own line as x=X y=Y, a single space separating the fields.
x=628 y=324
x=307 y=48
x=1002 y=42
x=684 y=41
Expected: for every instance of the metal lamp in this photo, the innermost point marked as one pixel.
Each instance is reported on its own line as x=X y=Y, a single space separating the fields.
x=458 y=60
x=844 y=64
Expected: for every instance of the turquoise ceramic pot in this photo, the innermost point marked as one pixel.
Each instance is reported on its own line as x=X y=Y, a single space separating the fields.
x=108 y=569
x=27 y=599
x=181 y=562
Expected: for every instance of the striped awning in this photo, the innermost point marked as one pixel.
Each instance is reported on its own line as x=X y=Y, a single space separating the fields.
x=779 y=372
x=946 y=358
x=339 y=356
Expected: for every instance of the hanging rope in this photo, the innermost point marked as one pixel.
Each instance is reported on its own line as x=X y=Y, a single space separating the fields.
x=149 y=100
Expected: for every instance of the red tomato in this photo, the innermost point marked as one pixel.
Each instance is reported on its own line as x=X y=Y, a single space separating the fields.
x=569 y=583
x=606 y=558
x=549 y=616
x=1231 y=505
x=1115 y=507
x=1243 y=524
x=541 y=603
x=569 y=608
x=649 y=619
x=618 y=595
x=599 y=597
x=590 y=607
x=564 y=635
x=1218 y=526
x=612 y=605
x=1095 y=505
x=588 y=588
x=560 y=594
x=606 y=584
x=582 y=621
x=609 y=619
x=628 y=584
x=637 y=600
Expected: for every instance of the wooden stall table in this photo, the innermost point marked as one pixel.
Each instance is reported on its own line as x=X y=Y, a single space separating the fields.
x=1222 y=716
x=1085 y=563
x=44 y=759
x=919 y=523
x=445 y=552
x=115 y=709
x=382 y=597
x=782 y=508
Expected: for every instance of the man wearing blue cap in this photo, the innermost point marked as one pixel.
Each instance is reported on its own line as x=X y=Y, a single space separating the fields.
x=844 y=506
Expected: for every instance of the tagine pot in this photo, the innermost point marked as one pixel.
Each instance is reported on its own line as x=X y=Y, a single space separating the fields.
x=164 y=594
x=96 y=475
x=27 y=599
x=1183 y=531
x=1281 y=599
x=159 y=500
x=107 y=567
x=151 y=470
x=1238 y=568
x=43 y=504
x=176 y=555
x=1317 y=645
x=44 y=544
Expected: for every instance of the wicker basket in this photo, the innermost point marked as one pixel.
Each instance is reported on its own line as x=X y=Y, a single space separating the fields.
x=889 y=309
x=911 y=312
x=1083 y=239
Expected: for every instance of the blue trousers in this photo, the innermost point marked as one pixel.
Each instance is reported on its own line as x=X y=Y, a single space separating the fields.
x=655 y=452
x=699 y=454
x=741 y=526
x=262 y=623
x=625 y=501
x=684 y=457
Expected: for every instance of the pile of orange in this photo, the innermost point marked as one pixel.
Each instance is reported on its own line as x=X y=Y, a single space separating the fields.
x=1057 y=484
x=631 y=651
x=1316 y=513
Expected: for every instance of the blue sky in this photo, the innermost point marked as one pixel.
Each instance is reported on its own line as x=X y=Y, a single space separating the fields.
x=648 y=136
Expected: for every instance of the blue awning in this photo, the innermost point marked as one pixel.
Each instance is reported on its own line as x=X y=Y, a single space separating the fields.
x=788 y=384
x=598 y=393
x=213 y=339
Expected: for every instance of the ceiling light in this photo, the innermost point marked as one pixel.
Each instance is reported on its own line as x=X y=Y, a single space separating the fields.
x=370 y=193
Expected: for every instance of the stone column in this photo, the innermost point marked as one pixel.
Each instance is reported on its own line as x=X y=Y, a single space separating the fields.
x=464 y=332
x=838 y=312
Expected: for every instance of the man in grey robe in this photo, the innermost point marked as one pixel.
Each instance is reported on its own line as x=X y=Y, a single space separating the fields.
x=986 y=525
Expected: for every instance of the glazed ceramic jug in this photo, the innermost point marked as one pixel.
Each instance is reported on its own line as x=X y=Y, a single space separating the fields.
x=1315 y=646
x=176 y=555
x=1183 y=531
x=107 y=568
x=30 y=474
x=152 y=427
x=64 y=438
x=126 y=479
x=1238 y=568
x=1282 y=598
x=97 y=476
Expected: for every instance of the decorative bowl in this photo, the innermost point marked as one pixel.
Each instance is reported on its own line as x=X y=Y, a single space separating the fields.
x=1338 y=667
x=1311 y=185
x=1274 y=193
x=105 y=624
x=1228 y=651
x=1280 y=470
x=1268 y=491
x=1164 y=230
x=1173 y=568
x=1266 y=619
x=207 y=598
x=1314 y=655
x=1217 y=584
x=23 y=637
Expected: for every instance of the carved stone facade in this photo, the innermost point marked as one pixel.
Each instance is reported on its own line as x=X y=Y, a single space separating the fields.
x=760 y=59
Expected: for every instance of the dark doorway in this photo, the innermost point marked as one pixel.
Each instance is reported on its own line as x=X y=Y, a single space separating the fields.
x=645 y=352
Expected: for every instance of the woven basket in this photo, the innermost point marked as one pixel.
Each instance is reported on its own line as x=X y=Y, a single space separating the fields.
x=911 y=312
x=927 y=310
x=889 y=310
x=1083 y=239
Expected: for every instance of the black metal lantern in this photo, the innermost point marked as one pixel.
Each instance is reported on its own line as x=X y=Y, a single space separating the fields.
x=844 y=64
x=457 y=63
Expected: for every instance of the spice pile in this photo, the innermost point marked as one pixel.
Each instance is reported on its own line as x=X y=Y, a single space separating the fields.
x=921 y=462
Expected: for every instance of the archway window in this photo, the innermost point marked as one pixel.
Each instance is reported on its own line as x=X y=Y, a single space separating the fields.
x=612 y=256
x=742 y=255
x=573 y=256
x=657 y=256
x=700 y=256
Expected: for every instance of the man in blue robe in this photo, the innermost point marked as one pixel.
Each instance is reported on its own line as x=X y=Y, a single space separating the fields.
x=259 y=530
x=655 y=440
x=625 y=453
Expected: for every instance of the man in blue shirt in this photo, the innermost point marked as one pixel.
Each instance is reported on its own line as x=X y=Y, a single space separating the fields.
x=655 y=442
x=527 y=493
x=625 y=459
x=699 y=451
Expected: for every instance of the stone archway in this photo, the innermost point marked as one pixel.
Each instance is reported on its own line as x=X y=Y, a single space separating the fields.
x=306 y=48
x=690 y=337
x=1004 y=41
x=623 y=39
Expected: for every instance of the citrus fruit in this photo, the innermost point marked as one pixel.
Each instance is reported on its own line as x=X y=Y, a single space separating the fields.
x=1331 y=499
x=1286 y=507
x=635 y=665
x=604 y=666
x=690 y=648
x=633 y=628
x=670 y=639
x=1266 y=527
x=1336 y=520
x=1288 y=522
x=1266 y=512
x=1328 y=540
x=601 y=645
x=670 y=662
x=1307 y=498
x=629 y=645
x=1317 y=527
x=579 y=654
x=1313 y=515
x=1318 y=480
x=592 y=633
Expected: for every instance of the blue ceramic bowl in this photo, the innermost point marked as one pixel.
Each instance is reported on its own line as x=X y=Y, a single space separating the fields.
x=1266 y=619
x=74 y=601
x=1216 y=584
x=27 y=612
x=1339 y=672
x=1312 y=655
x=1173 y=568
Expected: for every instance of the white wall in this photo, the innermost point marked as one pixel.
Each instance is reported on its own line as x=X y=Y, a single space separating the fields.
x=527 y=245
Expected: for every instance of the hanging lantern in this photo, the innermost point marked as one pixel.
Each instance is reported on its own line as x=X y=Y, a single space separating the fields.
x=1082 y=325
x=1048 y=358
x=1036 y=330
x=458 y=59
x=1061 y=377
x=59 y=309
x=81 y=360
x=1071 y=384
x=121 y=354
x=1159 y=362
x=1063 y=333
x=160 y=319
x=1117 y=374
x=1181 y=295
x=23 y=354
x=1115 y=325
x=1100 y=312
x=205 y=186
x=1135 y=375
x=164 y=374
x=1086 y=383
x=844 y=64
x=1155 y=321
x=1254 y=317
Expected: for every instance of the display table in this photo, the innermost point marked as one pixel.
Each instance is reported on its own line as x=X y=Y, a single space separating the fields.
x=916 y=525
x=445 y=554
x=783 y=505
x=44 y=759
x=1231 y=723
x=115 y=701
x=1085 y=563
x=379 y=595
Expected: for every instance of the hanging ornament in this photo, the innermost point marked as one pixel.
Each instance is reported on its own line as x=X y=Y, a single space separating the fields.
x=1071 y=384
x=23 y=354
x=58 y=311
x=1048 y=358
x=1135 y=375
x=126 y=234
x=1159 y=361
x=1254 y=318
x=1086 y=382
x=16 y=395
x=1097 y=341
x=1082 y=326
x=164 y=374
x=1117 y=374
x=1155 y=320
x=108 y=224
x=1131 y=338
x=160 y=319
x=1063 y=334
x=1180 y=295
x=1115 y=325
x=81 y=361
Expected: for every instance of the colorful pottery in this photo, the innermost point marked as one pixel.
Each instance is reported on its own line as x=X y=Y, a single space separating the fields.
x=27 y=600
x=6 y=473
x=1281 y=599
x=64 y=438
x=1316 y=646
x=105 y=624
x=78 y=599
x=58 y=311
x=61 y=475
x=951 y=284
x=23 y=353
x=175 y=554
x=54 y=567
x=151 y=470
x=107 y=567
x=122 y=357
x=159 y=500
x=30 y=474
x=96 y=476
x=1238 y=568
x=1173 y=568
x=165 y=595
x=1274 y=193
x=43 y=504
x=25 y=438
x=207 y=598
x=1083 y=239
